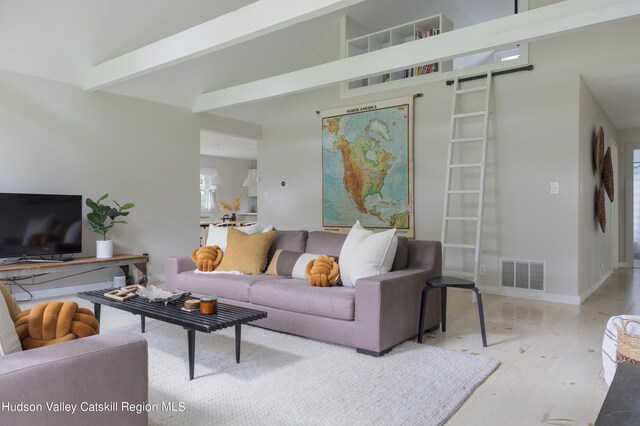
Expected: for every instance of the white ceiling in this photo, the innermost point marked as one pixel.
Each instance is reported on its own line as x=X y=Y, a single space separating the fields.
x=227 y=146
x=618 y=92
x=61 y=40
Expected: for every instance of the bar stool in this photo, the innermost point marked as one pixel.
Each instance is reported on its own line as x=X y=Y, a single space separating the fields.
x=443 y=283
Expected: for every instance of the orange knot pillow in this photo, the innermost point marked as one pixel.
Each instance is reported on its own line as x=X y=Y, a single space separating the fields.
x=323 y=272
x=54 y=322
x=207 y=258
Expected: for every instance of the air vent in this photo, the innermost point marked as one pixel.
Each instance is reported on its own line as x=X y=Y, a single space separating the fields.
x=522 y=274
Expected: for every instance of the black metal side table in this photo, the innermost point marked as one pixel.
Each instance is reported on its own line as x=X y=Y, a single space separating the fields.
x=443 y=283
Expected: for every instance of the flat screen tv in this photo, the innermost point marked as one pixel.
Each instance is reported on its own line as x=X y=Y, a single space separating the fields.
x=40 y=225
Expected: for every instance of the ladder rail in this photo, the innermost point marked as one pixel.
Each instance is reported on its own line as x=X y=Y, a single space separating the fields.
x=447 y=218
x=482 y=179
x=452 y=130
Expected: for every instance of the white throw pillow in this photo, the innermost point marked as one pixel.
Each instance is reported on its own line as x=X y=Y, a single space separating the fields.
x=300 y=267
x=250 y=229
x=366 y=253
x=9 y=342
x=217 y=235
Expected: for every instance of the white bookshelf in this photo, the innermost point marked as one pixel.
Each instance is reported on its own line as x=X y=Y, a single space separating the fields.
x=405 y=33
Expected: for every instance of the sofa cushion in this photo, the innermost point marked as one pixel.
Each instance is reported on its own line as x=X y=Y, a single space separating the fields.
x=365 y=253
x=296 y=295
x=288 y=240
x=228 y=286
x=246 y=253
x=327 y=243
x=402 y=254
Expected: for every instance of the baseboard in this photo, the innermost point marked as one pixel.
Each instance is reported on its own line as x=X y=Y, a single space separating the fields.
x=545 y=297
x=21 y=296
x=595 y=286
x=624 y=265
x=530 y=294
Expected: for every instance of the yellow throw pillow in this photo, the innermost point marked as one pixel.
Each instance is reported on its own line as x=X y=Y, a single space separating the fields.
x=207 y=258
x=246 y=253
x=323 y=272
x=54 y=322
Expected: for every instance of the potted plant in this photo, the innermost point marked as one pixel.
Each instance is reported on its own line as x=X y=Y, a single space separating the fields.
x=102 y=218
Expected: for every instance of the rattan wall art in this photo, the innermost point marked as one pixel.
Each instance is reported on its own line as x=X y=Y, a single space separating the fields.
x=607 y=174
x=604 y=175
x=598 y=151
x=600 y=211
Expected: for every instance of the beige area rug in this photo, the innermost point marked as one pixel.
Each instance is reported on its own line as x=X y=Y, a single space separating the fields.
x=289 y=380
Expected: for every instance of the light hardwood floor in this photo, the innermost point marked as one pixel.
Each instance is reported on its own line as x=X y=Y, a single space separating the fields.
x=551 y=371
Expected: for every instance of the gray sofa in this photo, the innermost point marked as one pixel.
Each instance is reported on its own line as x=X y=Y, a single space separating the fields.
x=100 y=369
x=379 y=313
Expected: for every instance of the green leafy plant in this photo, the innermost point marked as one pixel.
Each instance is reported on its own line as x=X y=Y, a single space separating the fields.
x=103 y=216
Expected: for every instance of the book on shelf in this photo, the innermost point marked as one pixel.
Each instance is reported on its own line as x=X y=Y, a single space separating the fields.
x=427 y=33
x=424 y=69
x=420 y=31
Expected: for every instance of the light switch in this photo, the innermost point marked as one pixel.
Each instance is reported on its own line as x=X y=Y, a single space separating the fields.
x=555 y=187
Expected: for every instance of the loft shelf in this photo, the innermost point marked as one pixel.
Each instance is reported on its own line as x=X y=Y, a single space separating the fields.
x=405 y=33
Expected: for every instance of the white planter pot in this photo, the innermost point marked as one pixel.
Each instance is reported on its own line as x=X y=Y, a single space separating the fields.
x=104 y=249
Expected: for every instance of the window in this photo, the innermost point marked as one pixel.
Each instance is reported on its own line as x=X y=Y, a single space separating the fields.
x=208 y=191
x=508 y=54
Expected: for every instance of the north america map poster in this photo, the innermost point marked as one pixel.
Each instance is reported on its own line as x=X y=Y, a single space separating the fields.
x=367 y=166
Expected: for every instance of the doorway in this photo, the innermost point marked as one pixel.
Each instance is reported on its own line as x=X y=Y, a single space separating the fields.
x=632 y=207
x=228 y=172
x=636 y=207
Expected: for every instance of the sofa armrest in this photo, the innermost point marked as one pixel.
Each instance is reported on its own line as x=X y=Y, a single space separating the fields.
x=173 y=266
x=425 y=254
x=102 y=369
x=388 y=306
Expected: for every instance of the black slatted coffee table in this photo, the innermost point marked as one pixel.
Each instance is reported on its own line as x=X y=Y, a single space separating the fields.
x=227 y=316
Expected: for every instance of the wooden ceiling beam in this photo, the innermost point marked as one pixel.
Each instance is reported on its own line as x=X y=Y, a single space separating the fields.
x=253 y=20
x=548 y=21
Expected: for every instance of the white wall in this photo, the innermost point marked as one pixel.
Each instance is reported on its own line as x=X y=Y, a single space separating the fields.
x=56 y=138
x=534 y=140
x=233 y=172
x=629 y=135
x=595 y=247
